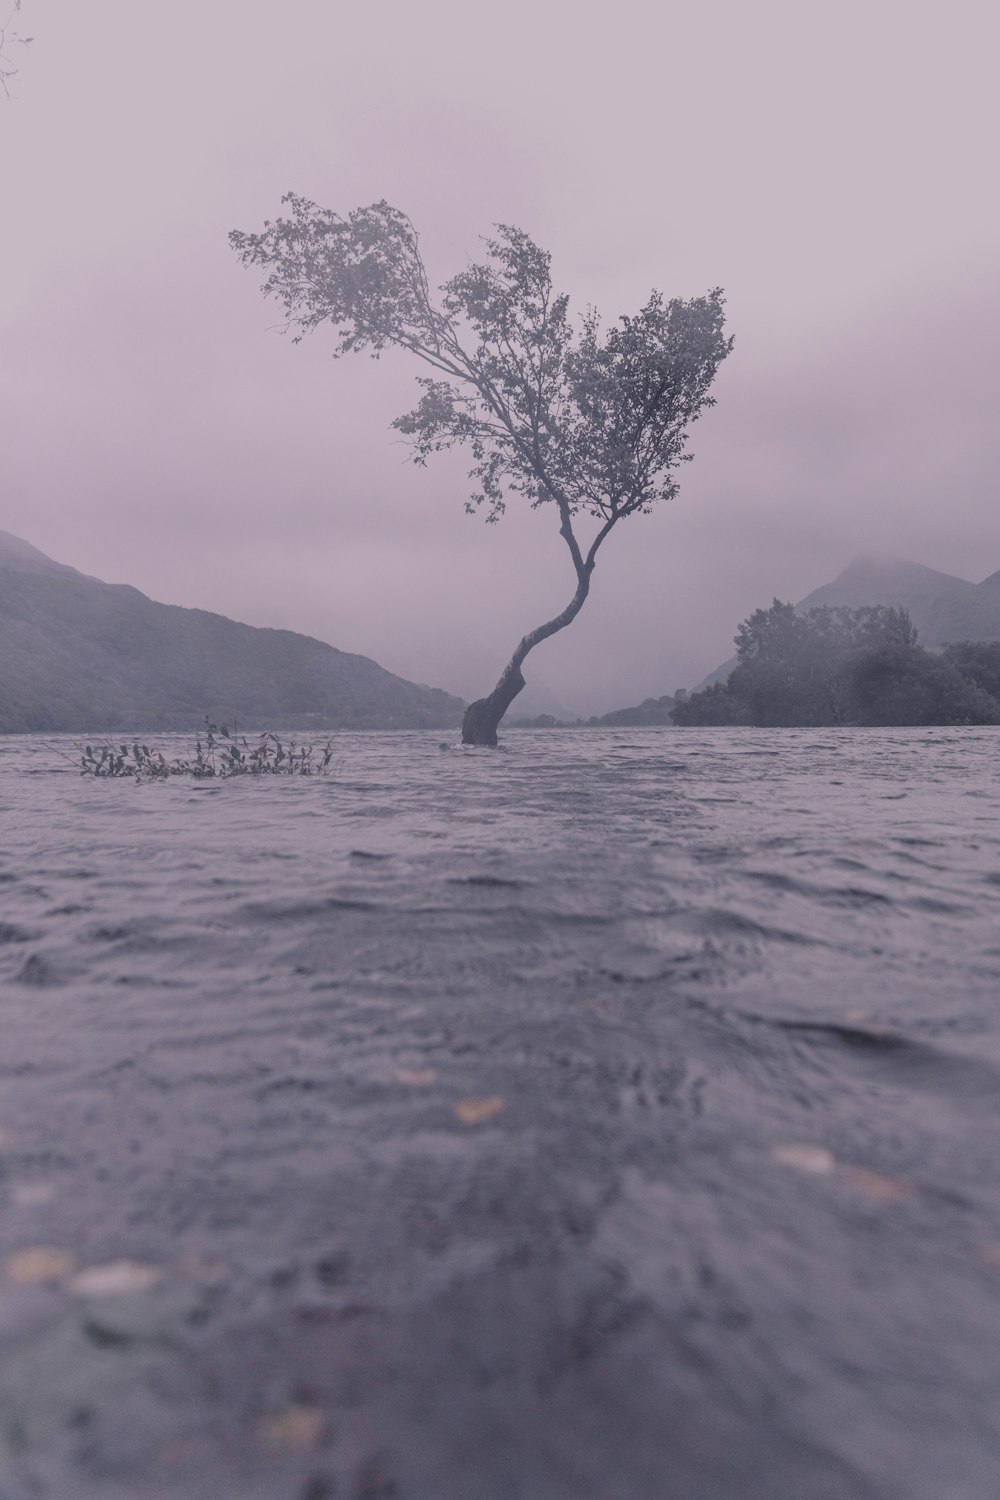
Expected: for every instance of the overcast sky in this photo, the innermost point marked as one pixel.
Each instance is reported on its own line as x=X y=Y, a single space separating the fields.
x=833 y=167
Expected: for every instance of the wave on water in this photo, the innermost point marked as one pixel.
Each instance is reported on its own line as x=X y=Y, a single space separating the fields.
x=614 y=1116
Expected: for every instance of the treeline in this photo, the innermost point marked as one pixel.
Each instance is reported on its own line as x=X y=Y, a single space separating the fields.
x=847 y=666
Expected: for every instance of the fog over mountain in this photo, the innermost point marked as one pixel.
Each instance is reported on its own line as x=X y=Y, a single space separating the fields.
x=79 y=654
x=610 y=1114
x=829 y=169
x=942 y=607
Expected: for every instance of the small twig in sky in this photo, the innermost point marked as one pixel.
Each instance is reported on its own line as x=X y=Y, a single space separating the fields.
x=8 y=39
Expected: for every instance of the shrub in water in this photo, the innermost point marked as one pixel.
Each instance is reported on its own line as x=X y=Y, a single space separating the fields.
x=218 y=753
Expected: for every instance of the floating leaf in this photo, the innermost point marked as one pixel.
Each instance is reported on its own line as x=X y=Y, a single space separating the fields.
x=417 y=1078
x=475 y=1111
x=40 y=1264
x=119 y=1278
x=293 y=1429
x=815 y=1159
x=874 y=1186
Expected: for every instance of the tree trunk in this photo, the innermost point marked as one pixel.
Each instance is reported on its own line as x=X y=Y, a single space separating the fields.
x=482 y=718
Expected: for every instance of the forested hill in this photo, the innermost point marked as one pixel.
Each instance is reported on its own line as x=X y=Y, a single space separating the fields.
x=942 y=607
x=79 y=654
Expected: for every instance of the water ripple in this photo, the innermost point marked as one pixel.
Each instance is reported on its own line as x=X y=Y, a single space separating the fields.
x=615 y=1114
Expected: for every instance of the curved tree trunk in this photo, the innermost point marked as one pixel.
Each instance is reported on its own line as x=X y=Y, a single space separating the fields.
x=482 y=718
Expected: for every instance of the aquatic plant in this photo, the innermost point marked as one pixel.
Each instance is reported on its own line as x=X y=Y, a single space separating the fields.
x=219 y=752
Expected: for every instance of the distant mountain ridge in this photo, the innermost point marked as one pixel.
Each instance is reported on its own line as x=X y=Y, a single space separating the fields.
x=650 y=712
x=942 y=607
x=79 y=654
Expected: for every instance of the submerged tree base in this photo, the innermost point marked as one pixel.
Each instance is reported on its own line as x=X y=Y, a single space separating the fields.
x=482 y=718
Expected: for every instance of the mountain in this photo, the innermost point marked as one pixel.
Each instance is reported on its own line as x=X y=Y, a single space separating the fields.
x=650 y=711
x=79 y=654
x=942 y=607
x=535 y=699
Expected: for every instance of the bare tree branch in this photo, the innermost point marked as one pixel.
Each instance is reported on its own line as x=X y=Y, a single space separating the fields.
x=10 y=39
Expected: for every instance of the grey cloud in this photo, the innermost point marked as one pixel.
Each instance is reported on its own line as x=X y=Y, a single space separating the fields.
x=159 y=433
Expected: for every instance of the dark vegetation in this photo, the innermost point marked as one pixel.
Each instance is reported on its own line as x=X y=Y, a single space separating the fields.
x=591 y=422
x=80 y=655
x=942 y=607
x=847 y=666
x=221 y=753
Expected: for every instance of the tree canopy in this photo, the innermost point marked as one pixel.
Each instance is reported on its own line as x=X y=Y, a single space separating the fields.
x=590 y=420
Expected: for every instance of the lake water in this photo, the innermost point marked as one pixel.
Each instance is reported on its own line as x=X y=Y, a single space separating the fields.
x=610 y=1117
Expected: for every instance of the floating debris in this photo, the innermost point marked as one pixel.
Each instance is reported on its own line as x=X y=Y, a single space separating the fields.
x=39 y=1265
x=816 y=1159
x=877 y=1188
x=416 y=1078
x=293 y=1429
x=475 y=1111
x=120 y=1278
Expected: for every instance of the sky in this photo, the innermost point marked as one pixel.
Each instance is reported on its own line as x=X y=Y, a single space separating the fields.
x=833 y=168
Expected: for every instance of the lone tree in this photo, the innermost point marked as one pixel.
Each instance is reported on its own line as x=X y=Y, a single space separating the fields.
x=591 y=422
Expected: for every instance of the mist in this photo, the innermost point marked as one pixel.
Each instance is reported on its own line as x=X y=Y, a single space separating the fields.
x=396 y=1108
x=829 y=173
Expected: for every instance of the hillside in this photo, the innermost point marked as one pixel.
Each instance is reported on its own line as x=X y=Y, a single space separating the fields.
x=650 y=711
x=79 y=654
x=942 y=607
